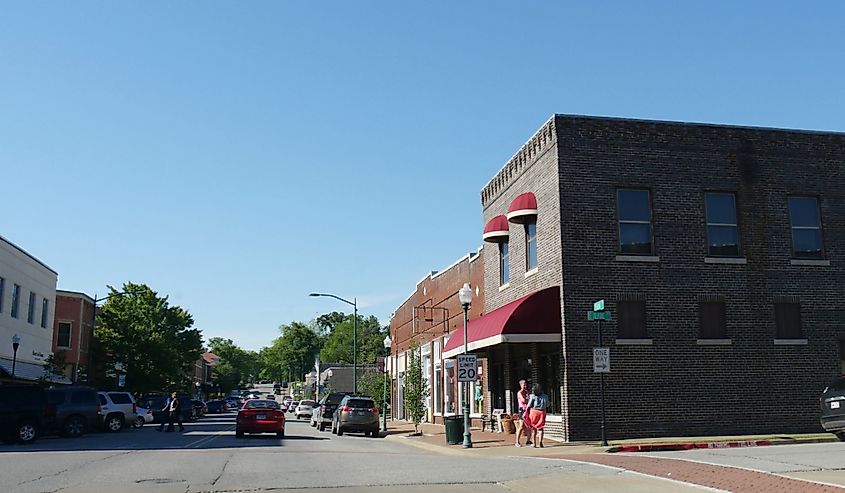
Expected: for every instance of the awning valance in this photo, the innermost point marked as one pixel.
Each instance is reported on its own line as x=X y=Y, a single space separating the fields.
x=532 y=318
x=496 y=230
x=523 y=207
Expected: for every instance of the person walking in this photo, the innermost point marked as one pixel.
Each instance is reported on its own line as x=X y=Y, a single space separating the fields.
x=522 y=405
x=173 y=408
x=538 y=404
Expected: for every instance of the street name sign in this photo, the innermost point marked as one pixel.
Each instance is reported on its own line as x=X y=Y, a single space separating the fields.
x=467 y=368
x=601 y=360
x=598 y=306
x=594 y=315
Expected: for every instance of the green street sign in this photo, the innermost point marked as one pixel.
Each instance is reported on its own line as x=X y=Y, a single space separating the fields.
x=594 y=315
x=598 y=306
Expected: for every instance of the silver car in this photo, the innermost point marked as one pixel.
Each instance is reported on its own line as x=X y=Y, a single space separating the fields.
x=356 y=414
x=117 y=410
x=304 y=409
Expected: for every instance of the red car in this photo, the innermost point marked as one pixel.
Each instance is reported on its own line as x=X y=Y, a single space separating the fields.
x=260 y=416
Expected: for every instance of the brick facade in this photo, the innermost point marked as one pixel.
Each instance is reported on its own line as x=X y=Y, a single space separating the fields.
x=671 y=383
x=76 y=309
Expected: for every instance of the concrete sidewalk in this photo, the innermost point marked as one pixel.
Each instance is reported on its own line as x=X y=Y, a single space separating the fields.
x=488 y=443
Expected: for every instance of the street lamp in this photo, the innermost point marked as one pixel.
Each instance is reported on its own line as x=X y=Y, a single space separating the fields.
x=387 y=343
x=465 y=295
x=16 y=342
x=354 y=304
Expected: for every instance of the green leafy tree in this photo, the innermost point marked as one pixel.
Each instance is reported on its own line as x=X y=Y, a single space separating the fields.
x=152 y=339
x=338 y=344
x=292 y=354
x=371 y=383
x=416 y=389
x=54 y=367
x=237 y=366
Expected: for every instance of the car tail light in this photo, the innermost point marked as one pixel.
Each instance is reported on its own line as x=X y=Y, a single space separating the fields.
x=375 y=410
x=346 y=409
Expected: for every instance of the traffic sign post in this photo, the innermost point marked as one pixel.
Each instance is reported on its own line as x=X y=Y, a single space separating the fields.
x=467 y=368
x=601 y=358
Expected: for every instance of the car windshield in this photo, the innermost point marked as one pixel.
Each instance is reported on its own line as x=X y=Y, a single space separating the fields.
x=262 y=404
x=307 y=403
x=360 y=403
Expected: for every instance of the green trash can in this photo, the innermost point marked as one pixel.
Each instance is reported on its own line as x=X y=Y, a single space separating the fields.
x=454 y=429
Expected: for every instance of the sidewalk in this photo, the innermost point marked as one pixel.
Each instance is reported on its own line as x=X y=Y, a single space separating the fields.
x=489 y=443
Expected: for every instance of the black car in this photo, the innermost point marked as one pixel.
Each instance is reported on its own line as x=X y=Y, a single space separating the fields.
x=156 y=402
x=322 y=415
x=832 y=403
x=71 y=411
x=216 y=406
x=22 y=412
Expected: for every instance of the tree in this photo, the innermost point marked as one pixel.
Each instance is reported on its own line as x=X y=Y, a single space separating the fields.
x=371 y=383
x=338 y=344
x=416 y=388
x=292 y=353
x=54 y=367
x=152 y=339
x=236 y=365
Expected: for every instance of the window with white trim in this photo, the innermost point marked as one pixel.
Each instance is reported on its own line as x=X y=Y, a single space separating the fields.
x=531 y=244
x=634 y=213
x=806 y=226
x=45 y=311
x=16 y=300
x=504 y=263
x=722 y=231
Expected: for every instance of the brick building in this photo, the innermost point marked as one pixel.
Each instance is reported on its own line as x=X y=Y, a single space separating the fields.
x=73 y=332
x=719 y=252
x=429 y=317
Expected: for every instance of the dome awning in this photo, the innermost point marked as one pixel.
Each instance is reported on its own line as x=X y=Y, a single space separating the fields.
x=496 y=230
x=523 y=208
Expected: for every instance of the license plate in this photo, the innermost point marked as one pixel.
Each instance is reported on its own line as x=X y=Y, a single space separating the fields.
x=260 y=416
x=359 y=413
x=834 y=405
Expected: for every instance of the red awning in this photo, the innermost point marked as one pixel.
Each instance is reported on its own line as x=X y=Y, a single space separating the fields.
x=522 y=208
x=496 y=230
x=532 y=318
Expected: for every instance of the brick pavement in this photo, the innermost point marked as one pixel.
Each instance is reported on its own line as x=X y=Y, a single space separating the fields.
x=721 y=477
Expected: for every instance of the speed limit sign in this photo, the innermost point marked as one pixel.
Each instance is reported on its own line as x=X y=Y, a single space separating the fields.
x=467 y=368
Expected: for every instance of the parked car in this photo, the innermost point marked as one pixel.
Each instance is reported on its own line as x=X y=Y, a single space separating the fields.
x=356 y=413
x=233 y=402
x=144 y=416
x=71 y=411
x=322 y=415
x=832 y=404
x=304 y=409
x=117 y=409
x=22 y=409
x=292 y=406
x=217 y=406
x=156 y=402
x=260 y=416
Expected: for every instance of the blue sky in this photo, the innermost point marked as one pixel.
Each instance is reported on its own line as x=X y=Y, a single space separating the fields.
x=238 y=155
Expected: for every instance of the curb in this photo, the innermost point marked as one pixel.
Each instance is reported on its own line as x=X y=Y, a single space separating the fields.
x=407 y=440
x=667 y=447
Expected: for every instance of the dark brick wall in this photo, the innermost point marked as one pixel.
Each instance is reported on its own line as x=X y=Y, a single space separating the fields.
x=675 y=386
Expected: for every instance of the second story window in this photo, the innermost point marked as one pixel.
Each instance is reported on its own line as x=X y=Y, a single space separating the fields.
x=531 y=244
x=634 y=212
x=504 y=259
x=63 y=336
x=45 y=310
x=806 y=225
x=632 y=320
x=788 y=320
x=2 y=292
x=30 y=310
x=722 y=231
x=711 y=320
x=16 y=300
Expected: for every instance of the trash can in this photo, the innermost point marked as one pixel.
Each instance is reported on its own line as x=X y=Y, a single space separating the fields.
x=454 y=429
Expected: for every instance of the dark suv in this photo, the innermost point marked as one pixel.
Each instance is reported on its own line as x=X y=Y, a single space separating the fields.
x=832 y=404
x=323 y=413
x=356 y=413
x=22 y=409
x=71 y=410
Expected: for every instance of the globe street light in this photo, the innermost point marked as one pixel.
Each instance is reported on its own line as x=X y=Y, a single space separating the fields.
x=387 y=343
x=465 y=295
x=354 y=304
x=16 y=342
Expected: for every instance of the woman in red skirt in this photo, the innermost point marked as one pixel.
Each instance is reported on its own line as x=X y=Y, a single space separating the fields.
x=535 y=418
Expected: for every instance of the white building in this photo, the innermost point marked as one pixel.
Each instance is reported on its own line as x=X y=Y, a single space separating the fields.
x=27 y=299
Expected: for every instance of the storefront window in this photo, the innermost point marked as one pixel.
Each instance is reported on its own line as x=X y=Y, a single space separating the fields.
x=449 y=387
x=438 y=379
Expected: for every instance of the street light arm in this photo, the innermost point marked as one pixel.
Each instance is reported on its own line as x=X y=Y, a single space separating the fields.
x=97 y=300
x=335 y=297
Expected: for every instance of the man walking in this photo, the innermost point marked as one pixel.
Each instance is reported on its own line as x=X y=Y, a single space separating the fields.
x=172 y=407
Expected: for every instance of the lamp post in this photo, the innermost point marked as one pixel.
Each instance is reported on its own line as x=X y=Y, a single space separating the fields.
x=387 y=343
x=16 y=342
x=465 y=295
x=354 y=304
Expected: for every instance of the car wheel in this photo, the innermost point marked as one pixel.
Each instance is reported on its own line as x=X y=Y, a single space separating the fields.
x=26 y=432
x=114 y=423
x=280 y=434
x=73 y=427
x=374 y=434
x=139 y=422
x=840 y=435
x=239 y=434
x=339 y=430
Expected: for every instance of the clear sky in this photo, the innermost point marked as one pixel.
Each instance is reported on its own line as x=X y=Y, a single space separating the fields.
x=238 y=155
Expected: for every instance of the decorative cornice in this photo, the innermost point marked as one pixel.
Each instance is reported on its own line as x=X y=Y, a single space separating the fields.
x=536 y=145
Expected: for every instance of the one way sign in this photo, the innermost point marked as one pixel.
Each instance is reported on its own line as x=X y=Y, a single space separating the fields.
x=601 y=360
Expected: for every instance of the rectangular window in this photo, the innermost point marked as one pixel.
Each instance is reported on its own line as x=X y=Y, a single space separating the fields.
x=30 y=310
x=806 y=227
x=722 y=231
x=634 y=212
x=712 y=322
x=63 y=337
x=45 y=310
x=2 y=292
x=504 y=263
x=531 y=245
x=632 y=321
x=788 y=321
x=16 y=300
